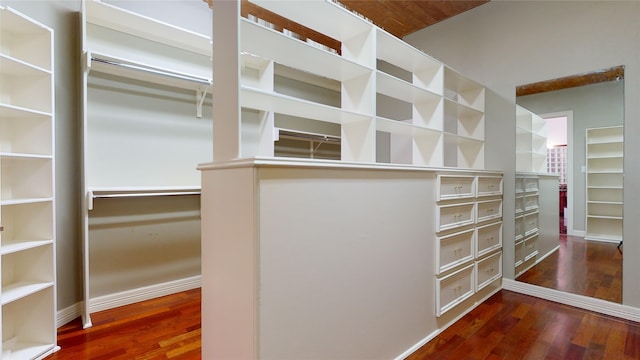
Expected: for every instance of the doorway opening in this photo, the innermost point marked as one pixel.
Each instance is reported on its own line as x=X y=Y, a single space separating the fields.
x=557 y=160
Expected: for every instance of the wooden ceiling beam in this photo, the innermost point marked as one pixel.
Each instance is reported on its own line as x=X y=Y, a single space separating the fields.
x=593 y=77
x=398 y=17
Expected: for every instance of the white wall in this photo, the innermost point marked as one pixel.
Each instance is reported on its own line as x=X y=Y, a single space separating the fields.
x=503 y=44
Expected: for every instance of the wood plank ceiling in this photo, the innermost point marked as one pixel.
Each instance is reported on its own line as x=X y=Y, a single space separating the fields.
x=403 y=17
x=398 y=17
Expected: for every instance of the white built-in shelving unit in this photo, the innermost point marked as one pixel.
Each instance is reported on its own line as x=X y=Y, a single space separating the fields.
x=604 y=156
x=146 y=119
x=531 y=142
x=397 y=104
x=397 y=110
x=27 y=249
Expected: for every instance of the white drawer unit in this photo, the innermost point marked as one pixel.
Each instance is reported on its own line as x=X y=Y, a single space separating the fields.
x=454 y=250
x=488 y=270
x=455 y=216
x=455 y=187
x=488 y=238
x=488 y=210
x=468 y=233
x=489 y=185
x=527 y=221
x=531 y=223
x=454 y=288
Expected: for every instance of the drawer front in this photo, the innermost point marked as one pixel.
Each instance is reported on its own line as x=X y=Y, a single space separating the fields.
x=531 y=223
x=520 y=252
x=519 y=204
x=488 y=210
x=531 y=247
x=530 y=202
x=519 y=185
x=531 y=184
x=453 y=216
x=488 y=270
x=455 y=187
x=489 y=185
x=519 y=227
x=454 y=249
x=488 y=238
x=454 y=289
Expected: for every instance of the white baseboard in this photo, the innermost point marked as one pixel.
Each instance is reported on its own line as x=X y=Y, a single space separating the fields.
x=431 y=336
x=144 y=293
x=580 y=301
x=580 y=233
x=68 y=314
x=111 y=301
x=539 y=259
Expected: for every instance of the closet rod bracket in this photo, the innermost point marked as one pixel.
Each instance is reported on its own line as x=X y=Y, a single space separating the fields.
x=201 y=95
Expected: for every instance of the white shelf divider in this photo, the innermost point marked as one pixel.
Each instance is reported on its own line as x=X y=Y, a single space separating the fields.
x=113 y=17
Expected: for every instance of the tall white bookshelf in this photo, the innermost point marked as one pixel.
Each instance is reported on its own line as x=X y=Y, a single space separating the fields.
x=605 y=157
x=397 y=104
x=27 y=210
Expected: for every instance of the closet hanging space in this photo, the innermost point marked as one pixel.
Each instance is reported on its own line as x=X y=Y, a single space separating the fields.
x=146 y=125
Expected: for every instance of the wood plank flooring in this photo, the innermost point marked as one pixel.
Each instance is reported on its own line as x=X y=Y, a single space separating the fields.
x=507 y=326
x=582 y=267
x=513 y=326
x=164 y=328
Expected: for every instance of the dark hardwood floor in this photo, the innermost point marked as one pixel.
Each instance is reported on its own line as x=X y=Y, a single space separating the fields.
x=582 y=267
x=513 y=326
x=507 y=326
x=164 y=328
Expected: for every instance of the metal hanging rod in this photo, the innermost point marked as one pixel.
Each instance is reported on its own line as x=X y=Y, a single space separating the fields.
x=295 y=135
x=112 y=194
x=202 y=81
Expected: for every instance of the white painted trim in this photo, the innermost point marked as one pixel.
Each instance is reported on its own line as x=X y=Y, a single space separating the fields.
x=579 y=233
x=69 y=314
x=580 y=301
x=48 y=352
x=539 y=259
x=144 y=293
x=430 y=337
